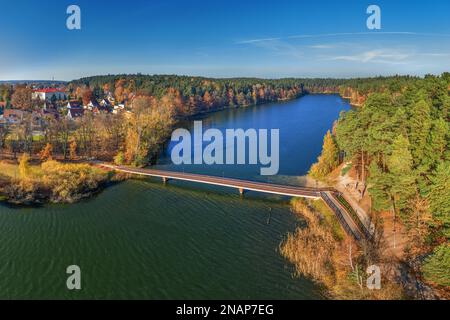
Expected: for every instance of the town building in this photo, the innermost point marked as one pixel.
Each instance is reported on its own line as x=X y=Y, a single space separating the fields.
x=74 y=104
x=13 y=116
x=48 y=94
x=74 y=113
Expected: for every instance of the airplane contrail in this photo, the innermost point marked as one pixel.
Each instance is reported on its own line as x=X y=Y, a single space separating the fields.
x=322 y=35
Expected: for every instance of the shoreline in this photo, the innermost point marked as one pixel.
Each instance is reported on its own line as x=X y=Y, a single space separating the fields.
x=44 y=200
x=52 y=182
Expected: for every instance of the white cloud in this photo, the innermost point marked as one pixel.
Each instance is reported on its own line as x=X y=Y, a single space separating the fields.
x=379 y=56
x=321 y=46
x=281 y=48
x=345 y=34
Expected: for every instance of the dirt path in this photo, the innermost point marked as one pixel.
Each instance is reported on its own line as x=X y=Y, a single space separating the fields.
x=394 y=233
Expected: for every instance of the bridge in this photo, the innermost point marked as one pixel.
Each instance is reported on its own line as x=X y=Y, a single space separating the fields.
x=329 y=195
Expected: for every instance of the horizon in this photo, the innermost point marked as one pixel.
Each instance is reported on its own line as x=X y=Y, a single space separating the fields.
x=222 y=78
x=258 y=40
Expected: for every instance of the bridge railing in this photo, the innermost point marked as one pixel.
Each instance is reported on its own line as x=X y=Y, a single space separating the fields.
x=347 y=206
x=340 y=216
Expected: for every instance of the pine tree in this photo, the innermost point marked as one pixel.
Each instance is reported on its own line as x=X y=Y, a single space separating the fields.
x=439 y=195
x=379 y=187
x=436 y=267
x=400 y=164
x=420 y=124
x=437 y=145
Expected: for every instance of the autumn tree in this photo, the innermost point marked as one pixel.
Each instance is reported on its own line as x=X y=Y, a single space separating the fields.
x=4 y=131
x=418 y=222
x=79 y=93
x=73 y=149
x=64 y=128
x=119 y=91
x=87 y=95
x=85 y=134
x=24 y=166
x=106 y=87
x=208 y=100
x=147 y=128
x=46 y=153
x=328 y=160
x=22 y=98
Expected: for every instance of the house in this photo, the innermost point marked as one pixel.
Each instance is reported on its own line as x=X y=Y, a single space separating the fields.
x=93 y=104
x=74 y=104
x=14 y=116
x=110 y=98
x=105 y=103
x=74 y=113
x=2 y=107
x=50 y=106
x=37 y=120
x=51 y=114
x=49 y=94
x=118 y=108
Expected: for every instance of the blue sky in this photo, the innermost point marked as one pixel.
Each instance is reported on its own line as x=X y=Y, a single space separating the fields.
x=270 y=39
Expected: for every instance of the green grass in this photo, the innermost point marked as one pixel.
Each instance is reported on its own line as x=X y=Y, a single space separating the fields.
x=330 y=219
x=38 y=138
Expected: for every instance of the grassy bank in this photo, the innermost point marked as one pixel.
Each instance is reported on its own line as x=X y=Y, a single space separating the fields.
x=323 y=253
x=51 y=181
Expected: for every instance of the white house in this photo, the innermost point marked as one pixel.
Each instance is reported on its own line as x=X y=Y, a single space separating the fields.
x=48 y=94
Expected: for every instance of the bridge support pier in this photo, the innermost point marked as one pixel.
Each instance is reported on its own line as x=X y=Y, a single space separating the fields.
x=241 y=191
x=164 y=179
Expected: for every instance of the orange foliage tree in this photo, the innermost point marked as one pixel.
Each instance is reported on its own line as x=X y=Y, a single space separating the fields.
x=46 y=153
x=73 y=149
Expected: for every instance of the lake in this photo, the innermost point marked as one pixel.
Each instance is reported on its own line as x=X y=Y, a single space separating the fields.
x=144 y=240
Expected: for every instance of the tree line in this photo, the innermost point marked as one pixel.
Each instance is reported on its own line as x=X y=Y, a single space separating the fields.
x=398 y=144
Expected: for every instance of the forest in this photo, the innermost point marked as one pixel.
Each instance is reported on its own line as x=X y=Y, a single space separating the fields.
x=398 y=144
x=192 y=95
